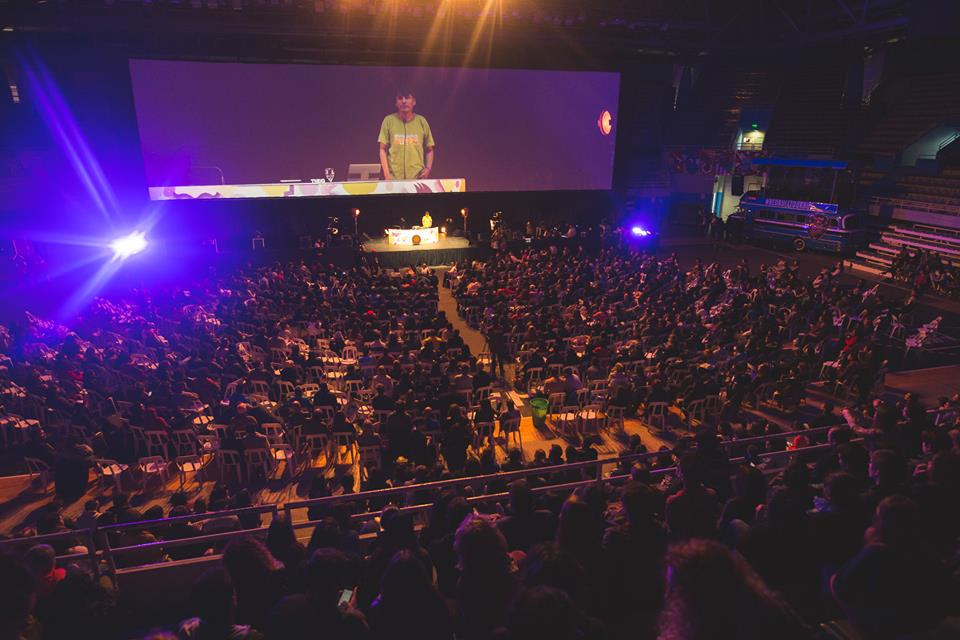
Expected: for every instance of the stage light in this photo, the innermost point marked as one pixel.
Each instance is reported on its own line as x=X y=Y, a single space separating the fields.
x=128 y=245
x=356 y=213
x=640 y=232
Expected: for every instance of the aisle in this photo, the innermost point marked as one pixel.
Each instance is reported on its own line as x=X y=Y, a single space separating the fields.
x=533 y=438
x=473 y=338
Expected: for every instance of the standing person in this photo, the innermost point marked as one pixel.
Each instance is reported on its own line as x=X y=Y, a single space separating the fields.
x=497 y=343
x=406 y=142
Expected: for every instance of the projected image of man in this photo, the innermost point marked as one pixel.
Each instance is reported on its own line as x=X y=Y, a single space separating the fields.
x=406 y=142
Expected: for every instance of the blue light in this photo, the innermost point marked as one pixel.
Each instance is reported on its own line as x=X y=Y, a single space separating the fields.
x=640 y=232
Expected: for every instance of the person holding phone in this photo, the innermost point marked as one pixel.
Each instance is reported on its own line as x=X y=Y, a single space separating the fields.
x=328 y=602
x=406 y=142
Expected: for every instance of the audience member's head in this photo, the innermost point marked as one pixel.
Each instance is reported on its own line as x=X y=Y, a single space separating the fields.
x=547 y=613
x=214 y=602
x=325 y=574
x=480 y=547
x=711 y=592
x=17 y=596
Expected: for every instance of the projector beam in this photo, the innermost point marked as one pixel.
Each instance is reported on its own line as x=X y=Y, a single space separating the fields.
x=128 y=245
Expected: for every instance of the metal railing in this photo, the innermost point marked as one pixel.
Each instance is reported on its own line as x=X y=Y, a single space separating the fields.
x=592 y=468
x=103 y=556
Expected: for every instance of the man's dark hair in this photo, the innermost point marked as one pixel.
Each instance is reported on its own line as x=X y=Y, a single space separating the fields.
x=404 y=91
x=521 y=497
x=213 y=597
x=546 y=612
x=639 y=501
x=325 y=573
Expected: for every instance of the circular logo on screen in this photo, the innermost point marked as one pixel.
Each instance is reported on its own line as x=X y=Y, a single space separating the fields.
x=415 y=239
x=818 y=226
x=605 y=122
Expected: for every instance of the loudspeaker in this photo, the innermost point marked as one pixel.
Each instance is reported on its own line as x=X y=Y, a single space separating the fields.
x=736 y=186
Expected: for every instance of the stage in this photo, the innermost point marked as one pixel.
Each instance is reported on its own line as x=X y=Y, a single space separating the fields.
x=447 y=250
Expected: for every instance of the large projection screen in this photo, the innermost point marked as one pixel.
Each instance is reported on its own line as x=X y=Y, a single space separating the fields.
x=223 y=130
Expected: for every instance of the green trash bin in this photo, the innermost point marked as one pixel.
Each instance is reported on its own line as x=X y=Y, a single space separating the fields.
x=538 y=407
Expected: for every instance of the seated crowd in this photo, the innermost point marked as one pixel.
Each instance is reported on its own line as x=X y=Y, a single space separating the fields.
x=274 y=357
x=682 y=545
x=647 y=331
x=925 y=271
x=722 y=551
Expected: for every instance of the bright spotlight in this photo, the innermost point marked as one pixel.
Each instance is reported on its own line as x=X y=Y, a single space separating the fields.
x=128 y=245
x=640 y=232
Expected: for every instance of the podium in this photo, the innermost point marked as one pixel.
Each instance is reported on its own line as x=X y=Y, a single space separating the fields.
x=412 y=237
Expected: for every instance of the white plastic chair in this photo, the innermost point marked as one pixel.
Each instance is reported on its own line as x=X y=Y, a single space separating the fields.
x=616 y=416
x=657 y=414
x=274 y=432
x=592 y=419
x=188 y=464
x=287 y=389
x=230 y=463
x=259 y=459
x=482 y=431
x=510 y=428
x=317 y=443
x=370 y=458
x=284 y=453
x=565 y=421
x=152 y=467
x=156 y=443
x=345 y=440
x=110 y=470
x=696 y=411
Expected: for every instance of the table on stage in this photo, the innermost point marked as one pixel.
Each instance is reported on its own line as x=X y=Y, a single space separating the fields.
x=309 y=189
x=406 y=236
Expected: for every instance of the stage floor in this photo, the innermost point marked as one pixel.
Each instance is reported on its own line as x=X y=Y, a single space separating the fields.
x=380 y=245
x=444 y=252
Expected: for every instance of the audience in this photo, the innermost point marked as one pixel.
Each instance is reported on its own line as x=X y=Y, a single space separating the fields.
x=708 y=538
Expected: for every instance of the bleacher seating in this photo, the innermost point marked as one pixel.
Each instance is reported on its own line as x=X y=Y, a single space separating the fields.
x=808 y=112
x=925 y=208
x=878 y=256
x=941 y=189
x=720 y=94
x=910 y=107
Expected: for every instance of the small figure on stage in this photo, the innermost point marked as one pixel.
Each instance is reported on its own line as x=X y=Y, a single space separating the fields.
x=426 y=221
x=406 y=142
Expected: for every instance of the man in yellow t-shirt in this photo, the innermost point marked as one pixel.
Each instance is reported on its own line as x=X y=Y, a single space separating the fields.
x=426 y=221
x=406 y=142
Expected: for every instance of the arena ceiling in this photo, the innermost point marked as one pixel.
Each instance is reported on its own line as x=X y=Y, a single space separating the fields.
x=452 y=30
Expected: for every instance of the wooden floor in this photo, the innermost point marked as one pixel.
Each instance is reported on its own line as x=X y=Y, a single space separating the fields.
x=929 y=384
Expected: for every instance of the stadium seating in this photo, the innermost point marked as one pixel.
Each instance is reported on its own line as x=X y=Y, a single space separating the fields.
x=910 y=106
x=879 y=255
x=808 y=111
